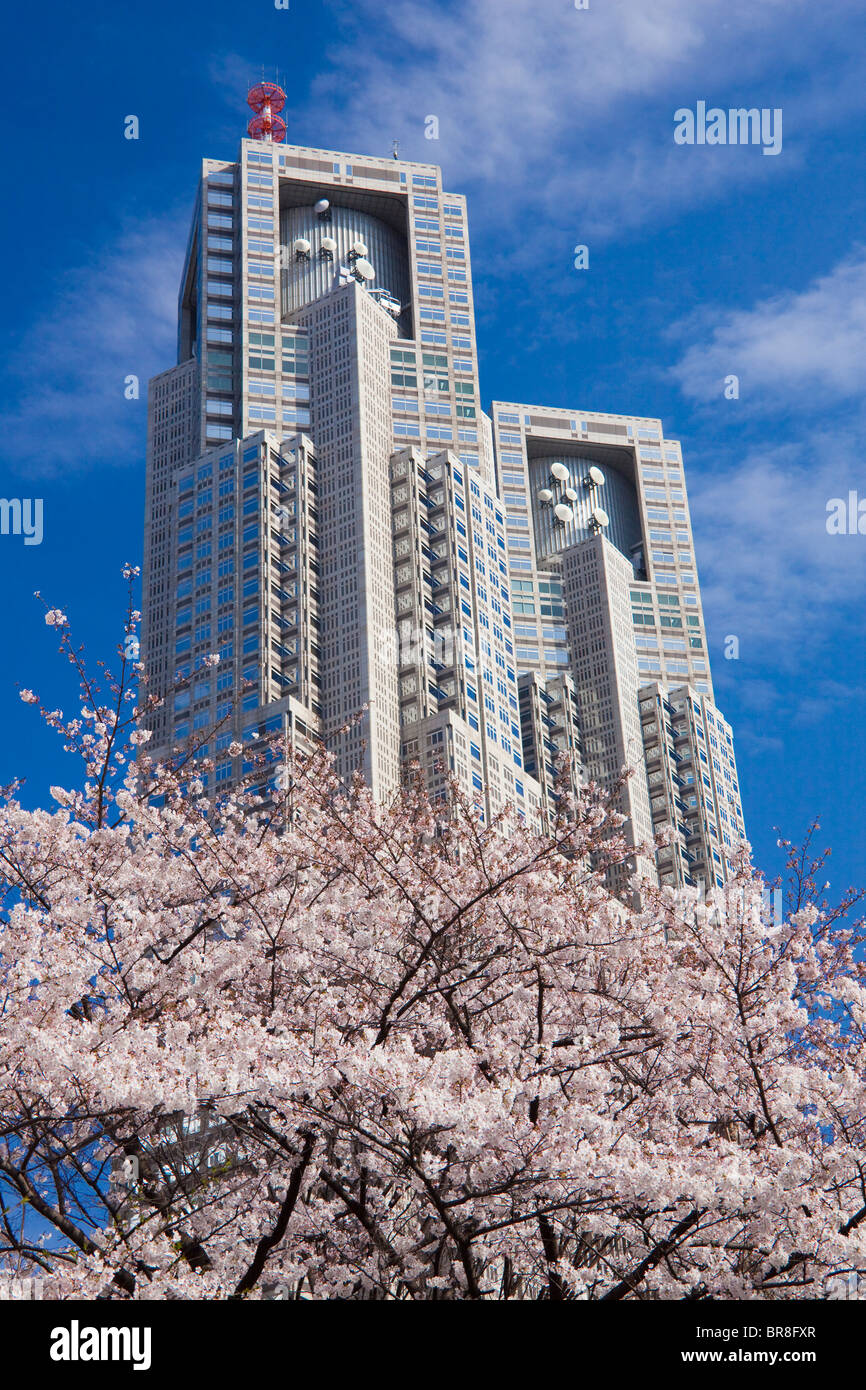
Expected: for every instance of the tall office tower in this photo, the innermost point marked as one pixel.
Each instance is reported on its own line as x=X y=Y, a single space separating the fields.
x=377 y=563
x=550 y=730
x=693 y=784
x=458 y=690
x=321 y=505
x=604 y=586
x=595 y=582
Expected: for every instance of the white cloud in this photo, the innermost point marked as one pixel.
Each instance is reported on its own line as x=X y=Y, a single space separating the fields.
x=113 y=317
x=801 y=350
x=578 y=104
x=564 y=117
x=770 y=573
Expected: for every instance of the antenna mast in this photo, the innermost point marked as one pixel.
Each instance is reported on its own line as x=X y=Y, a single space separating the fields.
x=266 y=99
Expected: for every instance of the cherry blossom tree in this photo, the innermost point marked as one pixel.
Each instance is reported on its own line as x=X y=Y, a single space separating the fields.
x=289 y=1042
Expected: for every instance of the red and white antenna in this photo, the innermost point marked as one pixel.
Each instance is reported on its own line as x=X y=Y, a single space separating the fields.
x=266 y=99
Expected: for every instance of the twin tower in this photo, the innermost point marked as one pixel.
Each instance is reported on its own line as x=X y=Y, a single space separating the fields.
x=329 y=508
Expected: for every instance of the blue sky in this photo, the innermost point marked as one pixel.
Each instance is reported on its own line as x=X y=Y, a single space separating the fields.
x=558 y=125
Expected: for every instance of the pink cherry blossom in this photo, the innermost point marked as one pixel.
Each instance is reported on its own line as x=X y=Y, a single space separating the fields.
x=296 y=1038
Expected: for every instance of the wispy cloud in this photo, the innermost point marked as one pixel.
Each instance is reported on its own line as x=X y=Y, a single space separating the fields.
x=587 y=96
x=799 y=351
x=583 y=100
x=114 y=317
x=771 y=574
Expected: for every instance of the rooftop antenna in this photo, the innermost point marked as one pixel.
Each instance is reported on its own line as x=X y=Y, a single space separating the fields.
x=396 y=145
x=266 y=99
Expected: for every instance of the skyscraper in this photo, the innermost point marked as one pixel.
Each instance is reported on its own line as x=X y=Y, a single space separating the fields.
x=377 y=563
x=604 y=585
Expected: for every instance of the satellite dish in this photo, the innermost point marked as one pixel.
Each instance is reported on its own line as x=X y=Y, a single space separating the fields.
x=570 y=493
x=321 y=206
x=329 y=244
x=563 y=513
x=599 y=517
x=359 y=247
x=594 y=477
x=301 y=246
x=545 y=495
x=559 y=471
x=364 y=269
